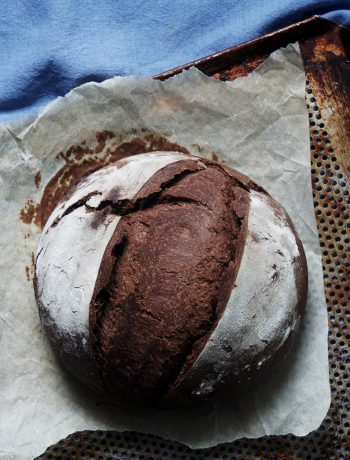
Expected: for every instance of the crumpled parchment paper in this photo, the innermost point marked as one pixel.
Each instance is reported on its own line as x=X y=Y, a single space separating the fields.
x=259 y=125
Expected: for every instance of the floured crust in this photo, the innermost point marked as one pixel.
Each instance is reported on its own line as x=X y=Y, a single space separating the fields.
x=70 y=252
x=262 y=314
x=147 y=280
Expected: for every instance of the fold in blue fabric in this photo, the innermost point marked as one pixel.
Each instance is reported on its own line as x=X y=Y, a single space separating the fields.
x=48 y=47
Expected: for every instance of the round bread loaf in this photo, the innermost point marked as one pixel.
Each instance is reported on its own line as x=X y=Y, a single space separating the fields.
x=170 y=279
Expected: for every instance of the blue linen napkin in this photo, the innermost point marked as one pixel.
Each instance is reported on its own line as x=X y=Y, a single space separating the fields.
x=47 y=47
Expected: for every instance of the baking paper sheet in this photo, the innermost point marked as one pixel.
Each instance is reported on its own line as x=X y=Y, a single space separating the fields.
x=257 y=124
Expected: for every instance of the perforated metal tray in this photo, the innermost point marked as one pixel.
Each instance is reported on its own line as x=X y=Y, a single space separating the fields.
x=325 y=49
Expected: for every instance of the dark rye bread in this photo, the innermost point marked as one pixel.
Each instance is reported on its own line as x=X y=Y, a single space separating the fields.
x=170 y=280
x=168 y=272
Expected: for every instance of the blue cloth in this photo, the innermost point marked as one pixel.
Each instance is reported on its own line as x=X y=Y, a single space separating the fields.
x=48 y=47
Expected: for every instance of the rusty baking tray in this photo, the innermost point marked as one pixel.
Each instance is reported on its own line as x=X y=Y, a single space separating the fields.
x=325 y=49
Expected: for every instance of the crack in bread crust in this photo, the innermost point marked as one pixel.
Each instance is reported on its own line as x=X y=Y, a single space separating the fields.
x=165 y=278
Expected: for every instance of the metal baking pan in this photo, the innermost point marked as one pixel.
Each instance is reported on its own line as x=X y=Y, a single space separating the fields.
x=325 y=49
